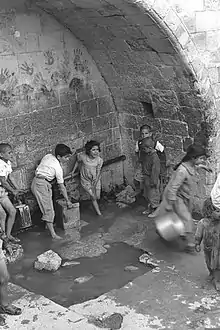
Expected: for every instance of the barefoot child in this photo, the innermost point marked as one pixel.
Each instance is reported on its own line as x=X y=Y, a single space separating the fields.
x=208 y=232
x=49 y=169
x=7 y=185
x=151 y=172
x=90 y=164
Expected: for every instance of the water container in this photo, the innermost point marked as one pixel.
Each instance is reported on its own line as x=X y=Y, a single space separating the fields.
x=23 y=218
x=169 y=226
x=70 y=217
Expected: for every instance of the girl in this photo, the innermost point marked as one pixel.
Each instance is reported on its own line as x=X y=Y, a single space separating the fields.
x=90 y=164
x=177 y=196
x=146 y=132
x=208 y=231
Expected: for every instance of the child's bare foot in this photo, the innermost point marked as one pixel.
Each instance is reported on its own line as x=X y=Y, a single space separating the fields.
x=57 y=237
x=14 y=239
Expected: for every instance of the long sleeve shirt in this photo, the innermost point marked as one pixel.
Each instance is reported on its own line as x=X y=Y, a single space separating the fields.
x=151 y=166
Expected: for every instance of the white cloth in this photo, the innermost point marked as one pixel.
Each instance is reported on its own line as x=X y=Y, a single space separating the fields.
x=215 y=193
x=158 y=147
x=50 y=169
x=5 y=168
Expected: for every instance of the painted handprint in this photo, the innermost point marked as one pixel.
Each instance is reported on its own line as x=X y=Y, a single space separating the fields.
x=28 y=69
x=49 y=57
x=80 y=64
x=4 y=75
x=41 y=82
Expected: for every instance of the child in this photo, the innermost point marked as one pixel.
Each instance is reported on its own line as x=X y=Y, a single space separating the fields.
x=208 y=231
x=50 y=168
x=5 y=307
x=177 y=196
x=151 y=171
x=90 y=164
x=145 y=132
x=7 y=185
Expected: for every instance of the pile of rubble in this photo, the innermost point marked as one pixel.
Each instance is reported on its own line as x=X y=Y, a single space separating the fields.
x=125 y=197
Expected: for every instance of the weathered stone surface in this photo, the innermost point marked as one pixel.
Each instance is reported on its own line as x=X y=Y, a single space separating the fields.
x=49 y=261
x=100 y=123
x=17 y=253
x=70 y=263
x=113 y=322
x=126 y=196
x=172 y=141
x=176 y=127
x=165 y=104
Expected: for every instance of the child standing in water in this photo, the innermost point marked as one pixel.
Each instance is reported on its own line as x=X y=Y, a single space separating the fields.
x=208 y=232
x=90 y=164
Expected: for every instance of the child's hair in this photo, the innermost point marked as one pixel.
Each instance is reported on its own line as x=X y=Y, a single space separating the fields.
x=148 y=141
x=145 y=126
x=4 y=147
x=193 y=151
x=208 y=208
x=90 y=144
x=62 y=150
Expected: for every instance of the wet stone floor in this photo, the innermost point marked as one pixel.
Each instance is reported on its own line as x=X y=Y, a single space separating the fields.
x=106 y=271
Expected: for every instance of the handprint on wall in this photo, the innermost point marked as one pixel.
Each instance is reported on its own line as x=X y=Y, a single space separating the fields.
x=4 y=75
x=27 y=68
x=42 y=83
x=49 y=57
x=80 y=65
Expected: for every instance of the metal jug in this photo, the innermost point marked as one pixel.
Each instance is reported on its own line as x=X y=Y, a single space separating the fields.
x=169 y=226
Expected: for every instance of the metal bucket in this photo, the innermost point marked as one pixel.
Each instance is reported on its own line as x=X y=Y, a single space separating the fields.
x=169 y=226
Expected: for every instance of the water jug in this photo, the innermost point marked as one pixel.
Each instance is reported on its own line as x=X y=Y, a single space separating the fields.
x=169 y=226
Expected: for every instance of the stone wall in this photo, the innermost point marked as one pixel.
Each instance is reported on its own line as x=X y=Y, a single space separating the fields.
x=50 y=92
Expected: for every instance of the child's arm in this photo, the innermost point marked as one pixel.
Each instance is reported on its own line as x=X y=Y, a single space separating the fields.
x=199 y=235
x=155 y=173
x=174 y=187
x=11 y=181
x=98 y=172
x=5 y=184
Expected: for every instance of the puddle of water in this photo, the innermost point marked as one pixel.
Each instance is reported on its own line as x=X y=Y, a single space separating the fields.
x=107 y=270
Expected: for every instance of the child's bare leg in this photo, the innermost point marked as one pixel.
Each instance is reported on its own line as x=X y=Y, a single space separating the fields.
x=96 y=206
x=3 y=216
x=11 y=211
x=5 y=307
x=52 y=231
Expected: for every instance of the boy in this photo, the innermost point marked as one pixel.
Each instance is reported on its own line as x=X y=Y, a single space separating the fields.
x=151 y=172
x=146 y=132
x=7 y=185
x=48 y=170
x=5 y=307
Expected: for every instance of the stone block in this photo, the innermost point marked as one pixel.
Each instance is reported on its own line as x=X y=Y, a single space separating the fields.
x=128 y=121
x=37 y=141
x=88 y=109
x=113 y=120
x=162 y=45
x=85 y=93
x=189 y=99
x=67 y=96
x=154 y=123
x=165 y=104
x=62 y=116
x=75 y=109
x=22 y=122
x=85 y=126
x=3 y=131
x=20 y=177
x=105 y=105
x=41 y=120
x=192 y=117
x=212 y=4
x=45 y=100
x=100 y=88
x=207 y=20
x=175 y=127
x=174 y=156
x=112 y=151
x=100 y=123
x=49 y=261
x=172 y=141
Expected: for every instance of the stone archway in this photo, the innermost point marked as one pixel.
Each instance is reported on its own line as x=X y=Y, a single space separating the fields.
x=147 y=52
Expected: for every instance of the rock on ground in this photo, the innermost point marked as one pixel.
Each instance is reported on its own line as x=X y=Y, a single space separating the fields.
x=49 y=260
x=83 y=279
x=112 y=322
x=131 y=268
x=126 y=196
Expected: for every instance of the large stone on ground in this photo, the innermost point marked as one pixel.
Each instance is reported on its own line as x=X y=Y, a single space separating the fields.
x=49 y=260
x=126 y=196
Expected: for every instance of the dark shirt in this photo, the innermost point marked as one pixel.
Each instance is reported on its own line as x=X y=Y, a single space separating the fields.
x=151 y=166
